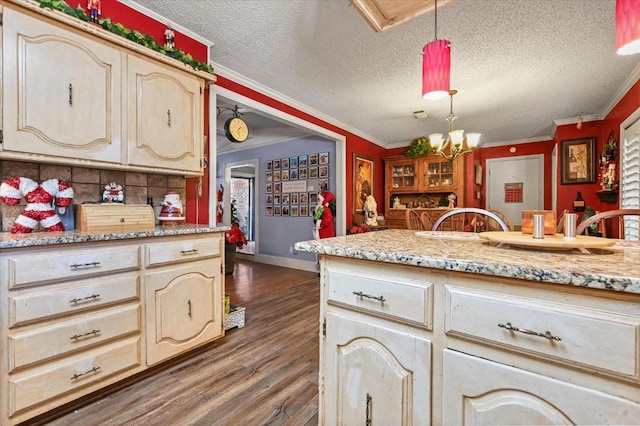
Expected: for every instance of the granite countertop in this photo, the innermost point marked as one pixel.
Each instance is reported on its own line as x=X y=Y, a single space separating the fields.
x=9 y=240
x=617 y=270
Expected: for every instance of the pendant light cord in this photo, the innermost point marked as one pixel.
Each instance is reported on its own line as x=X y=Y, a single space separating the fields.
x=436 y=15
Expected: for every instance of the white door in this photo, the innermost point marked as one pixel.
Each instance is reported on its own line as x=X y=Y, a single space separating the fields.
x=527 y=170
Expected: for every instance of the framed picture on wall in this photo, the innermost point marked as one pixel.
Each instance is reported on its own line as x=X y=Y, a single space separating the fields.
x=302 y=173
x=269 y=211
x=362 y=180
x=323 y=171
x=276 y=164
x=277 y=187
x=304 y=210
x=313 y=159
x=313 y=172
x=277 y=211
x=313 y=197
x=578 y=161
x=269 y=165
x=293 y=162
x=269 y=188
x=302 y=161
x=284 y=163
x=323 y=158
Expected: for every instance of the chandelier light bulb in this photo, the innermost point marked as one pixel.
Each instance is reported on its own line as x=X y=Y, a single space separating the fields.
x=435 y=140
x=473 y=139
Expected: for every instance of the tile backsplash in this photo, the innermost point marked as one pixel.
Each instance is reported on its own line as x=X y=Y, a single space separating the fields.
x=88 y=185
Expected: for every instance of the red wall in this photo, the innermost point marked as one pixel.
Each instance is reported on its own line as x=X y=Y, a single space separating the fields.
x=600 y=130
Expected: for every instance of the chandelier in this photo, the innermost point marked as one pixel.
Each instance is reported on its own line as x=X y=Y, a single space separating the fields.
x=457 y=143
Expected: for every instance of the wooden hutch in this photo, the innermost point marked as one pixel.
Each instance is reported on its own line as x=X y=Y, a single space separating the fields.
x=421 y=183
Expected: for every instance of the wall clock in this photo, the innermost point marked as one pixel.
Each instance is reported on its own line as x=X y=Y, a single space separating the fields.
x=236 y=130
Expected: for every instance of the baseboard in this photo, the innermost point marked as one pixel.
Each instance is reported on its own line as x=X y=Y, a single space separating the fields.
x=304 y=265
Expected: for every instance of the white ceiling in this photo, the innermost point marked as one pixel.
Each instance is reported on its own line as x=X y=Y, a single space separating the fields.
x=518 y=65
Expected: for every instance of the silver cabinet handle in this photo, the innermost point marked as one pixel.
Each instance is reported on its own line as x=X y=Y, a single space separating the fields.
x=547 y=334
x=368 y=296
x=192 y=251
x=70 y=94
x=89 y=333
x=189 y=303
x=92 y=297
x=82 y=265
x=169 y=117
x=77 y=375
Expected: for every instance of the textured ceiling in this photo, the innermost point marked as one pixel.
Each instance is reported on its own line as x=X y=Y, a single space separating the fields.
x=518 y=65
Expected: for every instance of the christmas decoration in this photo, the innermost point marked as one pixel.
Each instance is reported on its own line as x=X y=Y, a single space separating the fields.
x=40 y=199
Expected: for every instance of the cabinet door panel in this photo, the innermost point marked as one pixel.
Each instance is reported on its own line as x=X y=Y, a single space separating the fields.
x=482 y=392
x=375 y=373
x=184 y=308
x=59 y=81
x=165 y=117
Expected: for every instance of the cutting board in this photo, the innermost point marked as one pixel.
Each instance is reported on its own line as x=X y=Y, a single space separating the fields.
x=549 y=242
x=114 y=217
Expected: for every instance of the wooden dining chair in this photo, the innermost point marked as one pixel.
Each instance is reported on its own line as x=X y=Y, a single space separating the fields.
x=502 y=215
x=560 y=222
x=427 y=222
x=627 y=221
x=469 y=219
x=413 y=220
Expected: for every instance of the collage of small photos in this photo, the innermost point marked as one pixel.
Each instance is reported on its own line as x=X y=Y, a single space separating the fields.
x=293 y=183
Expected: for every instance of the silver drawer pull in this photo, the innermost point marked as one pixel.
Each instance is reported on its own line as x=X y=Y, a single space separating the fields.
x=546 y=334
x=368 y=296
x=92 y=297
x=77 y=375
x=367 y=412
x=89 y=333
x=82 y=265
x=192 y=251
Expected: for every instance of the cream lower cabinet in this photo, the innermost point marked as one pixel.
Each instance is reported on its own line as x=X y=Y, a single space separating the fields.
x=375 y=373
x=483 y=392
x=410 y=345
x=76 y=318
x=373 y=370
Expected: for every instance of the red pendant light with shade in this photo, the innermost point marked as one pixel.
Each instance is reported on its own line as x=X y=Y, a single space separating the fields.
x=436 y=66
x=627 y=27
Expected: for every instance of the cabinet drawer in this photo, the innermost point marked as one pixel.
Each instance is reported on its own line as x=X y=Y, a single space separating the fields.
x=405 y=299
x=45 y=343
x=28 y=390
x=181 y=251
x=594 y=338
x=48 y=266
x=33 y=306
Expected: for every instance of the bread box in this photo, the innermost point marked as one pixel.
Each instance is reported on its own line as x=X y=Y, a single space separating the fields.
x=114 y=217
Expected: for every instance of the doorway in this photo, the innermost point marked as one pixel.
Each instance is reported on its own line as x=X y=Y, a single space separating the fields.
x=515 y=184
x=240 y=183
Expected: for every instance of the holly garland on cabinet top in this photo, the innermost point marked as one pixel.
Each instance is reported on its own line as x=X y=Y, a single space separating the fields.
x=132 y=35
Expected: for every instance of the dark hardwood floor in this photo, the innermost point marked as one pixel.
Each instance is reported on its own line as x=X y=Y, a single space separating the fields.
x=265 y=373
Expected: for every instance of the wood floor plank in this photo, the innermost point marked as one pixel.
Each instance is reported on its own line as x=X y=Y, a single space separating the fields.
x=265 y=373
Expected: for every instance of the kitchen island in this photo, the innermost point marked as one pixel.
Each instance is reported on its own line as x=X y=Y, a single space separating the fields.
x=445 y=328
x=83 y=310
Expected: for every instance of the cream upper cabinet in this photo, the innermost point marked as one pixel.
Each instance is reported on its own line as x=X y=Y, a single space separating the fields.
x=75 y=94
x=165 y=117
x=61 y=92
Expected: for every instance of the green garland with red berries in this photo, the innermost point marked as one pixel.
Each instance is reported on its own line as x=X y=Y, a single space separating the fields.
x=132 y=35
